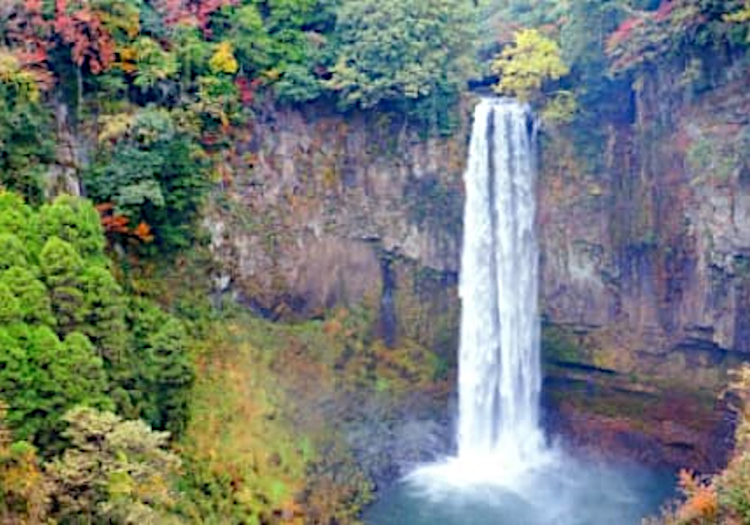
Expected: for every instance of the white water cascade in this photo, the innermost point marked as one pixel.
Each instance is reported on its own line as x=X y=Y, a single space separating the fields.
x=504 y=472
x=499 y=439
x=499 y=369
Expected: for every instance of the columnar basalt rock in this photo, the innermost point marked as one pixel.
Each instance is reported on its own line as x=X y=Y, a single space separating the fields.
x=322 y=201
x=644 y=263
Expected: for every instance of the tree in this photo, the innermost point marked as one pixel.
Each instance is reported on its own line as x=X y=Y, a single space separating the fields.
x=154 y=173
x=24 y=491
x=61 y=268
x=166 y=372
x=17 y=218
x=12 y=252
x=41 y=377
x=10 y=309
x=75 y=221
x=104 y=315
x=583 y=38
x=152 y=63
x=284 y=43
x=82 y=28
x=676 y=29
x=392 y=51
x=32 y=296
x=527 y=64
x=115 y=471
x=25 y=144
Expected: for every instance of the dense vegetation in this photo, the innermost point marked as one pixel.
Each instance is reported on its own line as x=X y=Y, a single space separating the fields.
x=608 y=46
x=136 y=104
x=72 y=338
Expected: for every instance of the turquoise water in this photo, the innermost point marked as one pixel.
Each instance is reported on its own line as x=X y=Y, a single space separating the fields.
x=570 y=493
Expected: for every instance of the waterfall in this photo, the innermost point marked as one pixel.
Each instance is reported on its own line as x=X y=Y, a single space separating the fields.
x=499 y=369
x=504 y=471
x=499 y=377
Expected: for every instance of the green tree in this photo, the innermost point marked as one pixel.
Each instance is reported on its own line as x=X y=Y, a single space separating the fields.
x=165 y=367
x=75 y=221
x=104 y=314
x=41 y=377
x=17 y=218
x=26 y=146
x=10 y=309
x=115 y=471
x=285 y=41
x=61 y=268
x=32 y=296
x=12 y=252
x=155 y=173
x=600 y=96
x=392 y=51
x=153 y=64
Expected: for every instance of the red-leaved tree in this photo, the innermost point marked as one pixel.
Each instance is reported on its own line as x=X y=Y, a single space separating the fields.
x=29 y=36
x=82 y=28
x=195 y=13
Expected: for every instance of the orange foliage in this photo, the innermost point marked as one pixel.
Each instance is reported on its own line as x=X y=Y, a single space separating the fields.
x=702 y=502
x=624 y=31
x=115 y=224
x=143 y=232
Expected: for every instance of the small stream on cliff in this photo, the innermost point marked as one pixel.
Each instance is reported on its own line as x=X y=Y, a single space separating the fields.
x=504 y=471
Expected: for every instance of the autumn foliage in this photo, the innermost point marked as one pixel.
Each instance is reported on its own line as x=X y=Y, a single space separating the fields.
x=81 y=27
x=723 y=499
x=195 y=13
x=115 y=224
x=702 y=503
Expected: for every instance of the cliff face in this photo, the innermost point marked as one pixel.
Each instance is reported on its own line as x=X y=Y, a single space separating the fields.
x=332 y=211
x=645 y=253
x=645 y=270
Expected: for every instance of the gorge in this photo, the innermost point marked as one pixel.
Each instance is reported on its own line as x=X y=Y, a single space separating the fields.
x=295 y=250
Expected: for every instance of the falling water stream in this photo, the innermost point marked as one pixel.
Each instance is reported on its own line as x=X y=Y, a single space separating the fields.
x=499 y=370
x=504 y=472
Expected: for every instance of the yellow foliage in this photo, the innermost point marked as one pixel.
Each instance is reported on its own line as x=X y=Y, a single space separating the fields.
x=12 y=72
x=9 y=66
x=560 y=108
x=223 y=60
x=272 y=74
x=114 y=126
x=127 y=56
x=741 y=16
x=527 y=64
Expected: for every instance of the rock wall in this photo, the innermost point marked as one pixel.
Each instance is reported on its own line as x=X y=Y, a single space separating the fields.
x=328 y=210
x=645 y=270
x=645 y=252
